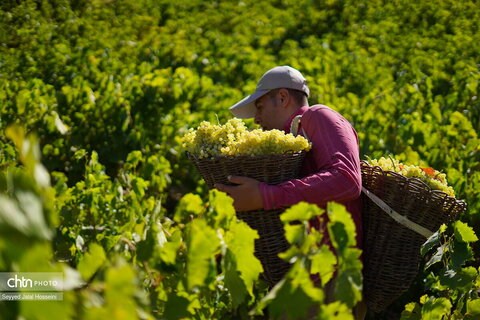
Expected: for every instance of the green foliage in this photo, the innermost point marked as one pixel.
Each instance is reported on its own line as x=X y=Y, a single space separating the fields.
x=94 y=96
x=91 y=261
x=341 y=229
x=452 y=282
x=298 y=295
x=202 y=245
x=240 y=260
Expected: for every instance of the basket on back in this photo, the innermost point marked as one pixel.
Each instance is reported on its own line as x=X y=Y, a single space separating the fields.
x=272 y=169
x=392 y=250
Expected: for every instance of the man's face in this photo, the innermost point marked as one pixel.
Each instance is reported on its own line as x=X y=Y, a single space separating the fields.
x=267 y=112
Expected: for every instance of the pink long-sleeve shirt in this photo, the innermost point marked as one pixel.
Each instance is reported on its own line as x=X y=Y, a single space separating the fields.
x=331 y=169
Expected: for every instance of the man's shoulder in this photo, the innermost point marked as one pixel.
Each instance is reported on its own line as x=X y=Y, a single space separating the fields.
x=321 y=116
x=319 y=111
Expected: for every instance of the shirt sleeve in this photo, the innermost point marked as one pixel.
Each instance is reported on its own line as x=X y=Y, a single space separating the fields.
x=335 y=153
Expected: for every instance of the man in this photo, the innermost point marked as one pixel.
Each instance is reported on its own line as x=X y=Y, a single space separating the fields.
x=331 y=169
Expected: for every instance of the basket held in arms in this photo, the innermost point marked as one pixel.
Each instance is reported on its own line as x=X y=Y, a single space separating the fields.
x=272 y=169
x=392 y=249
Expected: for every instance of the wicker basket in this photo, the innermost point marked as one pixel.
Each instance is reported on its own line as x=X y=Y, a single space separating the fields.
x=391 y=250
x=272 y=169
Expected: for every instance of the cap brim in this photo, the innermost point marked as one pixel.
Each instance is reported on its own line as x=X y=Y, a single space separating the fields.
x=245 y=108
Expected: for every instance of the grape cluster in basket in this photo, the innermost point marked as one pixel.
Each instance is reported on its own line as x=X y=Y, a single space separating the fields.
x=234 y=139
x=433 y=178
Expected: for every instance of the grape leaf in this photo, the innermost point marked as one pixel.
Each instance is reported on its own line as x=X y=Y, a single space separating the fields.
x=120 y=286
x=412 y=311
x=437 y=257
x=348 y=283
x=25 y=215
x=91 y=261
x=221 y=208
x=464 y=232
x=434 y=240
x=458 y=279
x=235 y=284
x=436 y=308
x=240 y=242
x=341 y=227
x=473 y=307
x=301 y=212
x=461 y=252
x=169 y=250
x=335 y=311
x=202 y=244
x=293 y=296
x=190 y=204
x=295 y=234
x=176 y=307
x=145 y=248
x=323 y=263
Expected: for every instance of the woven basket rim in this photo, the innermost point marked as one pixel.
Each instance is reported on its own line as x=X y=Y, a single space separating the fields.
x=232 y=157
x=417 y=180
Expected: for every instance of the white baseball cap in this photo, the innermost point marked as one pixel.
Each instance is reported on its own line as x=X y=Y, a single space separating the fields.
x=278 y=77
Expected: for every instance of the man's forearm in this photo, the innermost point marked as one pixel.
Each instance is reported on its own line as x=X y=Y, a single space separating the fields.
x=319 y=188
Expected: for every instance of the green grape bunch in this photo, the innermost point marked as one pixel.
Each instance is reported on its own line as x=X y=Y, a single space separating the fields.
x=234 y=139
x=431 y=177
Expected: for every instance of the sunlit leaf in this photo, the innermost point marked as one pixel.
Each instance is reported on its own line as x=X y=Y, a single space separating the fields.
x=341 y=227
x=190 y=204
x=473 y=307
x=295 y=234
x=169 y=250
x=91 y=261
x=202 y=245
x=221 y=208
x=335 y=311
x=412 y=312
x=301 y=212
x=464 y=232
x=120 y=286
x=436 y=308
x=323 y=263
x=240 y=242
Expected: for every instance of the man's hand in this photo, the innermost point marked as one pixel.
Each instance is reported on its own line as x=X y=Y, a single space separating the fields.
x=246 y=195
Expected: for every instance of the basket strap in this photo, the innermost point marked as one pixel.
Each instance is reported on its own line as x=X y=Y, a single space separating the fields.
x=294 y=127
x=396 y=216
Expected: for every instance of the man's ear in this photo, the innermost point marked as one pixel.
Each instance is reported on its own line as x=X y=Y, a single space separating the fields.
x=284 y=96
